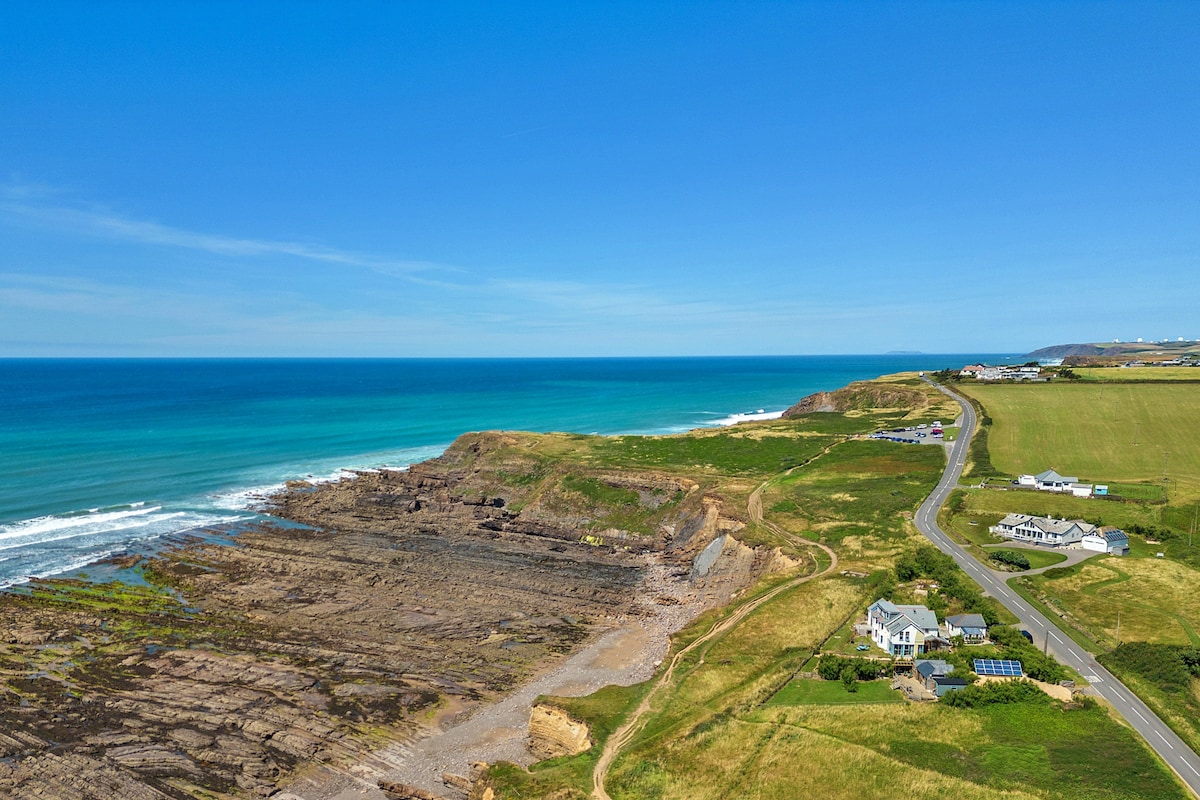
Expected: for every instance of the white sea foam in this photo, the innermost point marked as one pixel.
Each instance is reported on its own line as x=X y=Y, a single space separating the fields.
x=750 y=416
x=39 y=526
x=49 y=569
x=253 y=497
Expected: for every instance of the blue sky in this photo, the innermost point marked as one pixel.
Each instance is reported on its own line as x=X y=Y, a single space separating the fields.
x=545 y=179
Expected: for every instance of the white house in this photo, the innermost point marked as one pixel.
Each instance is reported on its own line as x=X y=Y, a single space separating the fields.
x=1042 y=530
x=1106 y=540
x=1051 y=481
x=901 y=630
x=971 y=627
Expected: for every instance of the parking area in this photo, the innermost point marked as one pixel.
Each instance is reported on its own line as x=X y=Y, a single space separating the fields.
x=913 y=434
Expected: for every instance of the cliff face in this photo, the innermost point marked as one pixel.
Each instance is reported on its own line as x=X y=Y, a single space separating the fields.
x=860 y=395
x=553 y=733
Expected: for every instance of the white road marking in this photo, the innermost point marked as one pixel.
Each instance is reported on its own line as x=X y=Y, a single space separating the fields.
x=1055 y=637
x=1168 y=744
x=1143 y=719
x=1193 y=769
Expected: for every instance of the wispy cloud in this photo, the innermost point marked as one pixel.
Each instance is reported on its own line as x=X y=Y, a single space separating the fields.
x=89 y=222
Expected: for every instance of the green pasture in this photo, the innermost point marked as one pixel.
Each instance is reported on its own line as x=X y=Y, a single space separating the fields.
x=1137 y=373
x=1124 y=432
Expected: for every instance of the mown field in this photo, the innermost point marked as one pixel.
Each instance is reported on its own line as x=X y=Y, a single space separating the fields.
x=737 y=721
x=1099 y=432
x=1137 y=373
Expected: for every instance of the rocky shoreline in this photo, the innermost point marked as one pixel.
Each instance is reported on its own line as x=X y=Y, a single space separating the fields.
x=314 y=659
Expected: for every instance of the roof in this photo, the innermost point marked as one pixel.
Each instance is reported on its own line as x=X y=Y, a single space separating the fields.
x=1050 y=476
x=886 y=606
x=921 y=616
x=947 y=680
x=934 y=667
x=1114 y=535
x=967 y=621
x=1000 y=667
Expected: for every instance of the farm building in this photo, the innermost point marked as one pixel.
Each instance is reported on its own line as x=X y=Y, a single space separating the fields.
x=1045 y=531
x=901 y=630
x=1106 y=540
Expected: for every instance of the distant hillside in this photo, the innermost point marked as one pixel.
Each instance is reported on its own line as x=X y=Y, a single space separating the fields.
x=1116 y=351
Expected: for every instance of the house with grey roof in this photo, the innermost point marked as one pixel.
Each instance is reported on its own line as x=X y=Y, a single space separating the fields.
x=901 y=631
x=1045 y=531
x=971 y=627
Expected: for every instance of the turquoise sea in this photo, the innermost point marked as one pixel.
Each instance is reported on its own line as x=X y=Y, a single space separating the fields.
x=99 y=457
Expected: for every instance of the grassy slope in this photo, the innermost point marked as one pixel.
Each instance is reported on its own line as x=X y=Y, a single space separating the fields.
x=737 y=724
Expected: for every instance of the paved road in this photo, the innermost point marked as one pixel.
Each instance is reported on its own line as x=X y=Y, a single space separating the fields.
x=1161 y=739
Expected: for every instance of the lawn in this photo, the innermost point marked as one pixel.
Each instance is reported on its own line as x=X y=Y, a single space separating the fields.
x=1037 y=558
x=1101 y=432
x=805 y=691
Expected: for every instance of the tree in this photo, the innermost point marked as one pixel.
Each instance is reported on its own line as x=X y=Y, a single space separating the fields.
x=850 y=678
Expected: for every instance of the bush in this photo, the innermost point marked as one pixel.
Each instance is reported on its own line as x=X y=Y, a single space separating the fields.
x=994 y=692
x=1170 y=667
x=1010 y=557
x=833 y=668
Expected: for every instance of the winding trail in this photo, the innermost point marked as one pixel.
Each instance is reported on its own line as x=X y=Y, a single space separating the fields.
x=637 y=720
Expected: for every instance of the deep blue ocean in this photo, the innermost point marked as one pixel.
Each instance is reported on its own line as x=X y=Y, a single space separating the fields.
x=99 y=457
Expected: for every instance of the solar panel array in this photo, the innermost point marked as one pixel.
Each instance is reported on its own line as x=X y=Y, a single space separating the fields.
x=995 y=666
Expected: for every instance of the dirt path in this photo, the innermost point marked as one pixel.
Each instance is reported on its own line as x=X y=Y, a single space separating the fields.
x=623 y=735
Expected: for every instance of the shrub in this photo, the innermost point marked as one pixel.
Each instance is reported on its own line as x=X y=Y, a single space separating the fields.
x=993 y=692
x=1170 y=667
x=832 y=668
x=1010 y=557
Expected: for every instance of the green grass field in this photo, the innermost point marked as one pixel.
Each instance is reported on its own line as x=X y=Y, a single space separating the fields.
x=1123 y=432
x=1137 y=373
x=804 y=691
